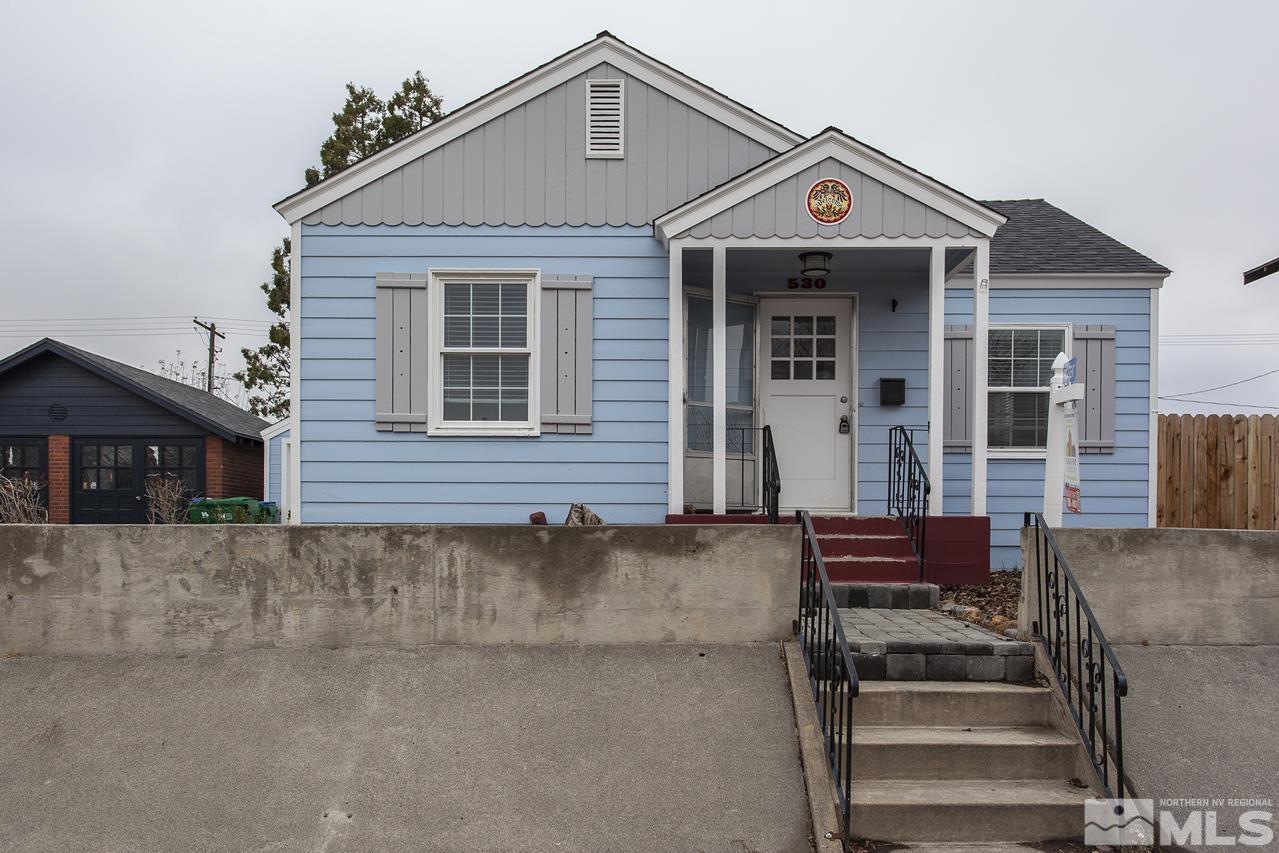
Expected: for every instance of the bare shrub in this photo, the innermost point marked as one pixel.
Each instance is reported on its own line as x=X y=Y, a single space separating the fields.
x=20 y=502
x=166 y=500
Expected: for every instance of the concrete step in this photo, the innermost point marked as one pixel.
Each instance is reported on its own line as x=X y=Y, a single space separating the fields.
x=967 y=810
x=948 y=753
x=951 y=703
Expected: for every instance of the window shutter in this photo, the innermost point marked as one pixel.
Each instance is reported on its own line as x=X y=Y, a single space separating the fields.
x=1094 y=351
x=401 y=353
x=567 y=342
x=959 y=358
x=604 y=117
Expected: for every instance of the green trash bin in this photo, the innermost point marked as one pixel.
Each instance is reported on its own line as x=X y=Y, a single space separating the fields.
x=224 y=511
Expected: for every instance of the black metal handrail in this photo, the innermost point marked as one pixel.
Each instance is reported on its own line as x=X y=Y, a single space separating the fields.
x=772 y=477
x=832 y=677
x=908 y=490
x=1080 y=656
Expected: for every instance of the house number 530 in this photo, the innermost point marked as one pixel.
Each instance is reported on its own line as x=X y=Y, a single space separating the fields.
x=805 y=283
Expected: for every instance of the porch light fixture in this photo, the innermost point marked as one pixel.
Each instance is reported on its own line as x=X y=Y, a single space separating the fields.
x=815 y=264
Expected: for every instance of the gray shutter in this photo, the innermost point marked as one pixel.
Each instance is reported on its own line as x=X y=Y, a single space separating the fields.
x=567 y=348
x=1094 y=351
x=959 y=358
x=401 y=352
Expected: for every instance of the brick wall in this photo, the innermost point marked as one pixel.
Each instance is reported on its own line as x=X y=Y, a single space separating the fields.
x=59 y=491
x=232 y=470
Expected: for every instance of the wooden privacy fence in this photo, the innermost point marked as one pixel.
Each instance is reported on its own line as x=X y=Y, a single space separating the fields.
x=1219 y=471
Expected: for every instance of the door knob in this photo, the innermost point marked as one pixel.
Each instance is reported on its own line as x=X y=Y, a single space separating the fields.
x=843 y=425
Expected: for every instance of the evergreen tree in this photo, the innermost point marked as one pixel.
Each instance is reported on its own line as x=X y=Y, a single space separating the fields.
x=366 y=125
x=266 y=369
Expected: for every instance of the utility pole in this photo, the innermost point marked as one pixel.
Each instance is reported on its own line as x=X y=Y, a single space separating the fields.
x=214 y=334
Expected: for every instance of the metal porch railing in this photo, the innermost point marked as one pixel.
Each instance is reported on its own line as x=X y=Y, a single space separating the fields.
x=908 y=490
x=1082 y=659
x=832 y=676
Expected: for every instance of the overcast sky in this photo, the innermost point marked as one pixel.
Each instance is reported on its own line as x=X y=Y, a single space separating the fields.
x=145 y=143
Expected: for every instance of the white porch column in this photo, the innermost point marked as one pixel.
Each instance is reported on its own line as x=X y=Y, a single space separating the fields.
x=675 y=383
x=719 y=379
x=936 y=373
x=981 y=349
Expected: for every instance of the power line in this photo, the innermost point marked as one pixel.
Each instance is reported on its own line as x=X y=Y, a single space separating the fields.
x=1216 y=403
x=156 y=317
x=1228 y=384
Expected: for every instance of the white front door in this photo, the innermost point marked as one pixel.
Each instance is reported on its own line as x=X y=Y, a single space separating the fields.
x=806 y=396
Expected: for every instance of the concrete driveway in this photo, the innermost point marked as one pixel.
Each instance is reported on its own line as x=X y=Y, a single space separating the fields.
x=574 y=748
x=1203 y=722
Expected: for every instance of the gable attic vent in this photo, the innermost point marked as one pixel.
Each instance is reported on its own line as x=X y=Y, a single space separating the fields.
x=604 y=130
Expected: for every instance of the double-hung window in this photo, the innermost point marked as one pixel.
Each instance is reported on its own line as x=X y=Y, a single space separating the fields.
x=1020 y=368
x=484 y=353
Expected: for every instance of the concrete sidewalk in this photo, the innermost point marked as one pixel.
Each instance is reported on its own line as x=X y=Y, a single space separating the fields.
x=660 y=747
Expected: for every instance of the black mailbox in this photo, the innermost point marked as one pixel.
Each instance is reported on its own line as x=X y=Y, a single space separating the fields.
x=892 y=392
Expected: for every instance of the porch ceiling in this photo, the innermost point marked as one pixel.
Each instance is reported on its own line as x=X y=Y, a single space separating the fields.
x=757 y=270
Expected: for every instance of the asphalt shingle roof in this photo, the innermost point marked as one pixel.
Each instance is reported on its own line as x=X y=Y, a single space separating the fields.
x=1041 y=238
x=217 y=414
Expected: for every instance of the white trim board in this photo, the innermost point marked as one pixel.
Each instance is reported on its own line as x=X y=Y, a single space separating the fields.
x=834 y=144
x=605 y=48
x=1049 y=281
x=275 y=429
x=293 y=512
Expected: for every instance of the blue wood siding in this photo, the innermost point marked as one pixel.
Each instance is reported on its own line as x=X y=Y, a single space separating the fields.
x=274 y=471
x=353 y=473
x=1115 y=485
x=889 y=344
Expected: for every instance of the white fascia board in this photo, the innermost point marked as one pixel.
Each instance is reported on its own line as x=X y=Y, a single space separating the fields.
x=836 y=145
x=275 y=429
x=518 y=91
x=1079 y=281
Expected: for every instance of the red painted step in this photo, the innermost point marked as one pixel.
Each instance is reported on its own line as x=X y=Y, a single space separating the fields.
x=866 y=546
x=864 y=570
x=866 y=525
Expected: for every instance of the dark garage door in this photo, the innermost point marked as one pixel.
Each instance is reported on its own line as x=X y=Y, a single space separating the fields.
x=109 y=475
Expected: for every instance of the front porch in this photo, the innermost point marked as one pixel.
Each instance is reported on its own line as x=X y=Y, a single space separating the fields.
x=830 y=361
x=808 y=297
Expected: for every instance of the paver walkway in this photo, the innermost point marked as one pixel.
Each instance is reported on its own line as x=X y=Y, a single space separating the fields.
x=916 y=644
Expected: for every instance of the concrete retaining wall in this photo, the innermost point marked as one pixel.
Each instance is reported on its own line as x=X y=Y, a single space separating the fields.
x=188 y=588
x=1175 y=586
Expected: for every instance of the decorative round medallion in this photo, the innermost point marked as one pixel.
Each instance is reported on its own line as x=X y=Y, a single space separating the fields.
x=829 y=201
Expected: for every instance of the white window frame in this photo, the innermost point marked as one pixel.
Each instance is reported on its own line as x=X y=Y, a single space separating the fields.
x=436 y=425
x=1020 y=452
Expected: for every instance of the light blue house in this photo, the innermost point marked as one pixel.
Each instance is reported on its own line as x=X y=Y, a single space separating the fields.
x=599 y=282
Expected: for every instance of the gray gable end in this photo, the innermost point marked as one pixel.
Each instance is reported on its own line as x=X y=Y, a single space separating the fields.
x=529 y=166
x=878 y=211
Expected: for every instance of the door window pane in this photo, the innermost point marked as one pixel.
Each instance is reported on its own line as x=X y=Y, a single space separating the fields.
x=803 y=340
